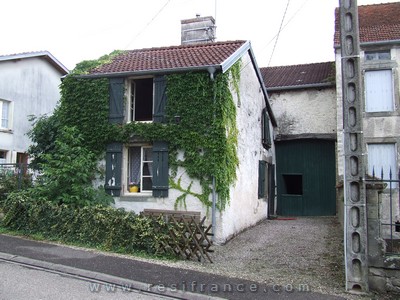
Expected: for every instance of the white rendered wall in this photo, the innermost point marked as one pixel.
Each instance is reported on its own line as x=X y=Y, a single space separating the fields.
x=32 y=87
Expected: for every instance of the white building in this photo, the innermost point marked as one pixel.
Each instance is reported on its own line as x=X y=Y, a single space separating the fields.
x=29 y=85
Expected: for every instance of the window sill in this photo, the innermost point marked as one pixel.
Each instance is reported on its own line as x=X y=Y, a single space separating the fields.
x=138 y=197
x=6 y=130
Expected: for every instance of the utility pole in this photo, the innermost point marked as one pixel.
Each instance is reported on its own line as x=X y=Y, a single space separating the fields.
x=355 y=223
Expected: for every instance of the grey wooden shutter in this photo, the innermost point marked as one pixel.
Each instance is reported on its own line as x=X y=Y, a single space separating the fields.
x=160 y=169
x=113 y=169
x=114 y=150
x=160 y=99
x=261 y=178
x=116 y=90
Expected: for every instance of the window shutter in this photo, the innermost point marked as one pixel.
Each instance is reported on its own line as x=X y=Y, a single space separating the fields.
x=266 y=136
x=113 y=169
x=116 y=90
x=160 y=169
x=261 y=178
x=160 y=99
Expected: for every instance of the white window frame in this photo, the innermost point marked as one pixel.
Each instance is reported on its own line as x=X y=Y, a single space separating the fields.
x=132 y=100
x=8 y=118
x=142 y=163
x=373 y=95
x=382 y=155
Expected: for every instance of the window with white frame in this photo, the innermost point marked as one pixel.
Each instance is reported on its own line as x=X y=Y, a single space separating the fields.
x=377 y=55
x=5 y=111
x=382 y=159
x=378 y=91
x=140 y=167
x=141 y=99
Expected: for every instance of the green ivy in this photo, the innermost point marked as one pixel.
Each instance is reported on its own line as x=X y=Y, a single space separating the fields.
x=207 y=133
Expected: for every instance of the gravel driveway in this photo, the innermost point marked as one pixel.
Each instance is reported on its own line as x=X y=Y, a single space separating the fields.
x=295 y=252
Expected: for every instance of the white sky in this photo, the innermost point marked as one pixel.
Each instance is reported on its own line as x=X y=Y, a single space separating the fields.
x=77 y=30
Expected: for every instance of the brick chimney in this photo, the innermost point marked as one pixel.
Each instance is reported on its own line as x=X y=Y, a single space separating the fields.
x=198 y=30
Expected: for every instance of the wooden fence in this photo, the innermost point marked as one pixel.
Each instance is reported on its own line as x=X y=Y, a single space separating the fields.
x=188 y=235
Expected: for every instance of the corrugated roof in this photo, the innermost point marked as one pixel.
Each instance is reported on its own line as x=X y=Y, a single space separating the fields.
x=377 y=22
x=45 y=54
x=170 y=58
x=299 y=76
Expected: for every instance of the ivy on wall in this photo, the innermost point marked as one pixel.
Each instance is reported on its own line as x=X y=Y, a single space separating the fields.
x=206 y=133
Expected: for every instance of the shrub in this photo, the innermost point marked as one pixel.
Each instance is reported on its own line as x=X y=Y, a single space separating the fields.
x=98 y=226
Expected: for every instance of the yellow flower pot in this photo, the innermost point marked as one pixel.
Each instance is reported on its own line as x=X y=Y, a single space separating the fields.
x=133 y=189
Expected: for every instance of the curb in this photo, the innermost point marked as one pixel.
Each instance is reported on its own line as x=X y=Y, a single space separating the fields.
x=104 y=278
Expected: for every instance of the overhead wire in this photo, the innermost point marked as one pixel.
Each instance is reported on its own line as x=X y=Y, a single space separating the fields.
x=148 y=24
x=279 y=31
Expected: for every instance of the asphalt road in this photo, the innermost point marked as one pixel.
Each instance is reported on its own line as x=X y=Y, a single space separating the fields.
x=20 y=282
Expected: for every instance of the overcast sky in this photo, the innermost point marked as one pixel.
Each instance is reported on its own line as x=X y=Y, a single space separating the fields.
x=77 y=30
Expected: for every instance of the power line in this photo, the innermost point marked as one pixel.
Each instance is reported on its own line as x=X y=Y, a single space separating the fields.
x=279 y=31
x=148 y=24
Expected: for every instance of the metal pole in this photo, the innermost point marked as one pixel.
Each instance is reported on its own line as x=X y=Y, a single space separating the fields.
x=355 y=223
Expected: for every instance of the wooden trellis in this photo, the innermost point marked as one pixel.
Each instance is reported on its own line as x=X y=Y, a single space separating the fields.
x=188 y=236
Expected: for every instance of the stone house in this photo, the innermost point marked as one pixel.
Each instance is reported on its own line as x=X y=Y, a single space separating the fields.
x=379 y=35
x=303 y=98
x=29 y=85
x=140 y=92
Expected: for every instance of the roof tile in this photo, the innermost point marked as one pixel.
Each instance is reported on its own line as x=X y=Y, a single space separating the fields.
x=298 y=75
x=169 y=58
x=377 y=22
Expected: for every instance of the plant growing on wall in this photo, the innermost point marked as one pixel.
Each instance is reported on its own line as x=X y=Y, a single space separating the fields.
x=206 y=133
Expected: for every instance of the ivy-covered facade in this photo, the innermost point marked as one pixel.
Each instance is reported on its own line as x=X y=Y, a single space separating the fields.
x=191 y=129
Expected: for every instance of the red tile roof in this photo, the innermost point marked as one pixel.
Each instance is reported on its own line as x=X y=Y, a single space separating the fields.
x=377 y=22
x=170 y=58
x=299 y=76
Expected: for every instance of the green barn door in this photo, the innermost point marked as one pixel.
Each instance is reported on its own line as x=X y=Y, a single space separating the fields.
x=306 y=178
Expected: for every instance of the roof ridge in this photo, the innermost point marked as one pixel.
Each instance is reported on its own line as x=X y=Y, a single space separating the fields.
x=197 y=45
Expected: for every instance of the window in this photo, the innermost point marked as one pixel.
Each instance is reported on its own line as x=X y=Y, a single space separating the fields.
x=3 y=156
x=382 y=158
x=4 y=114
x=293 y=184
x=377 y=55
x=141 y=105
x=379 y=91
x=140 y=167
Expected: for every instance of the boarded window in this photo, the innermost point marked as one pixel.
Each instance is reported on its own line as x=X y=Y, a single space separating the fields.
x=382 y=157
x=379 y=91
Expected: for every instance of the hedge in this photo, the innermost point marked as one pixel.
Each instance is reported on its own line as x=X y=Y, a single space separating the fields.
x=95 y=226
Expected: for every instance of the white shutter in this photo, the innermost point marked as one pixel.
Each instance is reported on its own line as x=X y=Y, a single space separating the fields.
x=379 y=91
x=382 y=156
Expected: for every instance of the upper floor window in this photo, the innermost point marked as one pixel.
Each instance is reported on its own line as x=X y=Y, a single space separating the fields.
x=141 y=99
x=377 y=55
x=378 y=90
x=4 y=114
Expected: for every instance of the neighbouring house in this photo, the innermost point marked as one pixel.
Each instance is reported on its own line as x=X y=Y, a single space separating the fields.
x=29 y=85
x=303 y=98
x=174 y=88
x=379 y=34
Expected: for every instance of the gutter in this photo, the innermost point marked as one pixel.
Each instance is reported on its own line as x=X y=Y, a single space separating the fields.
x=150 y=72
x=299 y=87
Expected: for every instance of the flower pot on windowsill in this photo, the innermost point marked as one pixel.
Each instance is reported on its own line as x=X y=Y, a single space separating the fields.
x=133 y=189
